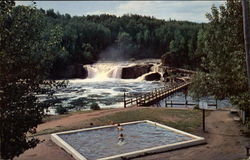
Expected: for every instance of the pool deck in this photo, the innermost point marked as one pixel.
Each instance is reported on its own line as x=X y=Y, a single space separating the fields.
x=224 y=141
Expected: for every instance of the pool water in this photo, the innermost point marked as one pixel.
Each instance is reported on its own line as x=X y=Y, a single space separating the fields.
x=100 y=143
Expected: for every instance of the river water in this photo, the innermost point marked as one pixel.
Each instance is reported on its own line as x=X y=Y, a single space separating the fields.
x=80 y=94
x=105 y=87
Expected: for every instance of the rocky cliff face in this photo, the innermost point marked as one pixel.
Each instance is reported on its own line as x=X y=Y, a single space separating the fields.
x=135 y=71
x=73 y=71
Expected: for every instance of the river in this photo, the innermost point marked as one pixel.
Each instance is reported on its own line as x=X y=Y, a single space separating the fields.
x=105 y=87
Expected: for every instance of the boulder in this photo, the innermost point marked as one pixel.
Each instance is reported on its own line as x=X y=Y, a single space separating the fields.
x=80 y=71
x=135 y=71
x=153 y=77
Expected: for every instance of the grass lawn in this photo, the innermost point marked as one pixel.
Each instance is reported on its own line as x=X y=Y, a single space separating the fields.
x=184 y=119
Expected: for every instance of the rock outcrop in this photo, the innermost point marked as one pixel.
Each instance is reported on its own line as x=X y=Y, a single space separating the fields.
x=73 y=71
x=153 y=77
x=135 y=71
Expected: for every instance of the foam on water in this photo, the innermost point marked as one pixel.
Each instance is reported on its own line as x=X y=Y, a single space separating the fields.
x=108 y=93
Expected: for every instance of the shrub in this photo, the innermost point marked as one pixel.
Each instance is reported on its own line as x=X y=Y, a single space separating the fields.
x=61 y=110
x=95 y=106
x=248 y=125
x=196 y=107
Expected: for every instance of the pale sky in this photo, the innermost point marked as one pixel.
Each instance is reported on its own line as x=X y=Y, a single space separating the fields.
x=179 y=10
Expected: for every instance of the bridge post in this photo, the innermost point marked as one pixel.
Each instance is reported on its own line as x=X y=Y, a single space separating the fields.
x=124 y=98
x=216 y=103
x=185 y=100
x=203 y=120
x=155 y=93
x=171 y=104
x=136 y=99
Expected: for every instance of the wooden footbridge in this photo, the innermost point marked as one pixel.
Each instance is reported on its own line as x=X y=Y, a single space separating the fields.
x=155 y=96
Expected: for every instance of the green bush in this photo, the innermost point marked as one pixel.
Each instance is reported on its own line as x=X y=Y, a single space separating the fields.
x=61 y=110
x=95 y=106
x=248 y=125
x=196 y=107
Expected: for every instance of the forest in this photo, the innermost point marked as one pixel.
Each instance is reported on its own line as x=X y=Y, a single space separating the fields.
x=35 y=44
x=88 y=39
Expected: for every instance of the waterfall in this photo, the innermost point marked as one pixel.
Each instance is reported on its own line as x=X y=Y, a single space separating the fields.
x=91 y=71
x=113 y=70
x=104 y=70
x=117 y=72
x=154 y=69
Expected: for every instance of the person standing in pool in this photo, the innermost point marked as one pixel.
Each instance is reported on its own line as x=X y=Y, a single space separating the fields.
x=121 y=138
x=119 y=128
x=121 y=135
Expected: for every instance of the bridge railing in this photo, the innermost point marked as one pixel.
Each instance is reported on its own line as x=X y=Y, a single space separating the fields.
x=149 y=97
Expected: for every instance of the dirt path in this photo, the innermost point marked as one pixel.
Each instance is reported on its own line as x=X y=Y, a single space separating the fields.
x=47 y=150
x=223 y=138
x=223 y=142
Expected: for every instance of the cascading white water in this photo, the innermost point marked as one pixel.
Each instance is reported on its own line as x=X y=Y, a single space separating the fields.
x=154 y=69
x=117 y=72
x=104 y=70
x=91 y=71
x=113 y=70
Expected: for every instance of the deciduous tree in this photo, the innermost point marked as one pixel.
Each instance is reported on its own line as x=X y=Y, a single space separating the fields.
x=222 y=48
x=27 y=50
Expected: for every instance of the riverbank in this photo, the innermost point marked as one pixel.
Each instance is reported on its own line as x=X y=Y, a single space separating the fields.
x=224 y=138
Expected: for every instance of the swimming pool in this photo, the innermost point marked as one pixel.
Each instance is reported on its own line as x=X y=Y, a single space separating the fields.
x=140 y=137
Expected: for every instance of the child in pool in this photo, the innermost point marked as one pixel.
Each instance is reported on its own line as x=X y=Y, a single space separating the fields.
x=119 y=128
x=121 y=138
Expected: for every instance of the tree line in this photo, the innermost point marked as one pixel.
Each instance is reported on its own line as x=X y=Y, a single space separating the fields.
x=87 y=39
x=36 y=43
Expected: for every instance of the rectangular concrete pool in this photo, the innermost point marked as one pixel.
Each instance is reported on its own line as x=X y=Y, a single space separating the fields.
x=140 y=137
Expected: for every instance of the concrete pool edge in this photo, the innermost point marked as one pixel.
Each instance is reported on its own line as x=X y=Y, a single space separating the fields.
x=56 y=139
x=195 y=141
